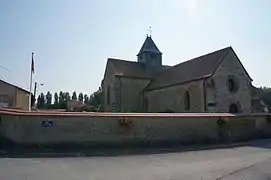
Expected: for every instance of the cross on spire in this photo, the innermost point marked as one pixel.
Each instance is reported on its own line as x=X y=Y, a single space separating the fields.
x=150 y=31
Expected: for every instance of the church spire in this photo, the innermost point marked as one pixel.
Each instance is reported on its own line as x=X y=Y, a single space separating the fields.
x=149 y=46
x=150 y=55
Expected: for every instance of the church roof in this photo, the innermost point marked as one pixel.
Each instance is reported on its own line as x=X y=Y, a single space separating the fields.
x=22 y=89
x=130 y=68
x=190 y=70
x=149 y=46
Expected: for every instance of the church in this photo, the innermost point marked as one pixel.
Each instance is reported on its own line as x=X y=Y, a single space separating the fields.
x=214 y=82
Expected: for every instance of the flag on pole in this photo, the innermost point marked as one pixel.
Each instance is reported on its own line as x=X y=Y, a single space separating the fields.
x=32 y=64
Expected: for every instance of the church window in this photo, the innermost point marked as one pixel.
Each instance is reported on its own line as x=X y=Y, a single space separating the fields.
x=186 y=100
x=232 y=84
x=108 y=94
x=153 y=56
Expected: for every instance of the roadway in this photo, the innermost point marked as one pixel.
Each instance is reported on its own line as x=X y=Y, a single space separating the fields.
x=252 y=161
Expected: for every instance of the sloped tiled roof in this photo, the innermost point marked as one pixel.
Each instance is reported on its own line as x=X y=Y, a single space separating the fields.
x=130 y=68
x=149 y=46
x=14 y=86
x=193 y=69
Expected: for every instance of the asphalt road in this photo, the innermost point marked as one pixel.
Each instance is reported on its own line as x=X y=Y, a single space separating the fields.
x=247 y=162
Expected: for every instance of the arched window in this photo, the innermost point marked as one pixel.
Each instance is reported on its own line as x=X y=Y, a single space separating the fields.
x=186 y=100
x=232 y=84
x=108 y=95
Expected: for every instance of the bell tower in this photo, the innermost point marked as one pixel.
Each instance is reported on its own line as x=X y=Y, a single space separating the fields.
x=150 y=55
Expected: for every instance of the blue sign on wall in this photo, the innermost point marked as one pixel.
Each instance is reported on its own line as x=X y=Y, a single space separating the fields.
x=47 y=123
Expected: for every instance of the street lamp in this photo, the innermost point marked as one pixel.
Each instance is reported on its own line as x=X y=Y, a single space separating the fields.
x=35 y=89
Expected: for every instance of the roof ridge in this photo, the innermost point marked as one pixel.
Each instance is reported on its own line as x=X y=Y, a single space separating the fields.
x=17 y=86
x=181 y=63
x=197 y=65
x=123 y=60
x=198 y=57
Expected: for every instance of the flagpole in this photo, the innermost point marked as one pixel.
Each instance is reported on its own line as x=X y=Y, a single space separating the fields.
x=31 y=75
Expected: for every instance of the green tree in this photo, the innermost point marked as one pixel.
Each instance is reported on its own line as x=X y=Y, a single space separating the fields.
x=86 y=99
x=56 y=99
x=61 y=97
x=67 y=97
x=81 y=97
x=33 y=100
x=41 y=101
x=266 y=95
x=62 y=100
x=96 y=100
x=74 y=96
x=48 y=99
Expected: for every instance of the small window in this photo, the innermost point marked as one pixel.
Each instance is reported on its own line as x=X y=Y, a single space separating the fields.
x=186 y=100
x=211 y=104
x=153 y=56
x=108 y=95
x=232 y=84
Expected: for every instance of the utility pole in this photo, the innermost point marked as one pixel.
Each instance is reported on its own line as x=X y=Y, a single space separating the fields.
x=35 y=90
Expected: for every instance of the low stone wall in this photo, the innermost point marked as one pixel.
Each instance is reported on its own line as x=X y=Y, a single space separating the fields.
x=130 y=129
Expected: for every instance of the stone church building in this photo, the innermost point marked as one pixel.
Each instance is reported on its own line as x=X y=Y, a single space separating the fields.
x=214 y=82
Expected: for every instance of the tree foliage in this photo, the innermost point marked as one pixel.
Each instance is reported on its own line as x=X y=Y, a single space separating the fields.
x=86 y=99
x=95 y=100
x=74 y=96
x=266 y=95
x=91 y=103
x=41 y=101
x=67 y=97
x=56 y=99
x=48 y=98
x=81 y=97
x=33 y=100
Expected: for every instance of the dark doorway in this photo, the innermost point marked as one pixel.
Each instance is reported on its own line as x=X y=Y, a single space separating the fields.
x=233 y=108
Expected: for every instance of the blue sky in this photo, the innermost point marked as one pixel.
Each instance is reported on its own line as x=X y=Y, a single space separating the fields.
x=72 y=39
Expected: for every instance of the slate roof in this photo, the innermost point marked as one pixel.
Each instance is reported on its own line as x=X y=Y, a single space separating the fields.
x=14 y=86
x=149 y=46
x=193 y=69
x=130 y=68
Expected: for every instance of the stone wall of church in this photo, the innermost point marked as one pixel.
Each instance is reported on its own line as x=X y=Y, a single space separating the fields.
x=108 y=86
x=131 y=94
x=123 y=94
x=173 y=98
x=218 y=95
